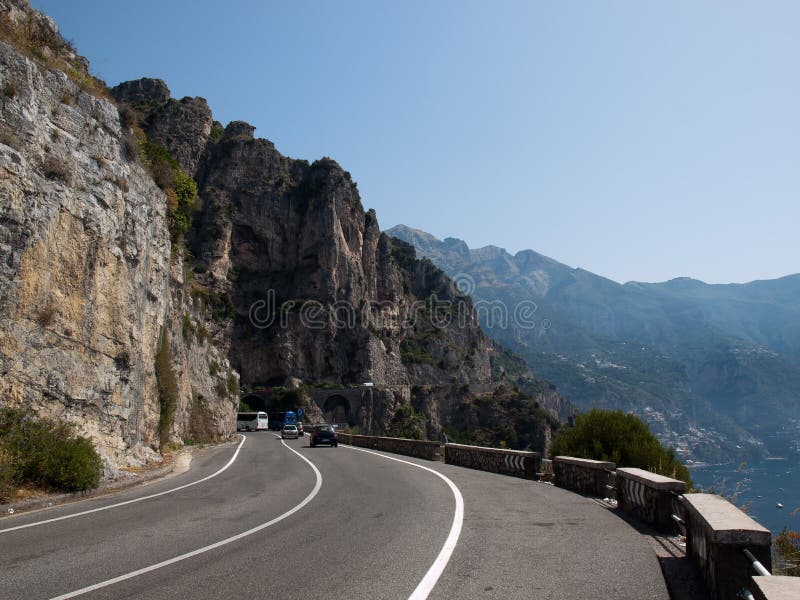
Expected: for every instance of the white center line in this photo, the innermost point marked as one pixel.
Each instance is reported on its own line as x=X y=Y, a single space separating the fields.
x=118 y=504
x=204 y=549
x=425 y=587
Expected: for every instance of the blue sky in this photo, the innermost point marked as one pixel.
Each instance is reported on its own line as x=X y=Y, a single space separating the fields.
x=639 y=140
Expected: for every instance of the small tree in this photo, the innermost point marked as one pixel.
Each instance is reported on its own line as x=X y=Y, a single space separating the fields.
x=787 y=553
x=620 y=438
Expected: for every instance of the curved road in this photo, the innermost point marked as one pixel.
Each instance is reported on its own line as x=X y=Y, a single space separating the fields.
x=359 y=525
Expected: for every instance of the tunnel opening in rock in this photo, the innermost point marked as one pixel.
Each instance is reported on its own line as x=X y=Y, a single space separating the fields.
x=337 y=409
x=257 y=403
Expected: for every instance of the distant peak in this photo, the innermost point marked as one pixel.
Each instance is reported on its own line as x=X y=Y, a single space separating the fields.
x=146 y=89
x=489 y=252
x=239 y=130
x=405 y=232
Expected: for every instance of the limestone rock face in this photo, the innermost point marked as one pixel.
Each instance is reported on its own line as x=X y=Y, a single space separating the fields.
x=84 y=262
x=182 y=126
x=302 y=285
x=287 y=278
x=142 y=90
x=87 y=283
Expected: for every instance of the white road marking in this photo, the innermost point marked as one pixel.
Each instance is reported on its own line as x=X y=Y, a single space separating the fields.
x=425 y=587
x=118 y=504
x=204 y=549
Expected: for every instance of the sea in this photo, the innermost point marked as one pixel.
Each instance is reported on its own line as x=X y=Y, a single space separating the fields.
x=758 y=487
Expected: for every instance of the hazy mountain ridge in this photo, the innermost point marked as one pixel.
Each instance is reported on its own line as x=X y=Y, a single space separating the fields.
x=681 y=353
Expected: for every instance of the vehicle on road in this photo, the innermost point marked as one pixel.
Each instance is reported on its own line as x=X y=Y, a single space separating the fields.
x=252 y=421
x=300 y=431
x=324 y=434
x=278 y=419
x=289 y=431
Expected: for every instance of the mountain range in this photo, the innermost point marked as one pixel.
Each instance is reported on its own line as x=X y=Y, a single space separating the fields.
x=714 y=369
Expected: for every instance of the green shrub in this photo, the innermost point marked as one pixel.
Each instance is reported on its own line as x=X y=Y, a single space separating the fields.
x=624 y=439
x=412 y=351
x=187 y=327
x=6 y=477
x=233 y=385
x=408 y=423
x=180 y=188
x=45 y=453
x=167 y=389
x=787 y=553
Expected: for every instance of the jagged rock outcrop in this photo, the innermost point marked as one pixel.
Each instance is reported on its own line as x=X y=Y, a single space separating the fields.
x=284 y=277
x=87 y=282
x=305 y=286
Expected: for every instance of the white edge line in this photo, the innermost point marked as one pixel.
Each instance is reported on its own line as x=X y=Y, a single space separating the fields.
x=425 y=587
x=204 y=549
x=94 y=510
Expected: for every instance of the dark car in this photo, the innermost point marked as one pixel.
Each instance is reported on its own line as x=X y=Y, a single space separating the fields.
x=324 y=434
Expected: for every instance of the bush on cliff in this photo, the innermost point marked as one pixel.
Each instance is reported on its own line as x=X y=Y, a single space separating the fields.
x=180 y=188
x=45 y=453
x=167 y=389
x=407 y=423
x=621 y=438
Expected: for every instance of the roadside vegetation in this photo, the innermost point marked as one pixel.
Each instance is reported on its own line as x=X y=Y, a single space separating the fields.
x=622 y=438
x=167 y=389
x=44 y=454
x=786 y=548
x=180 y=188
x=34 y=37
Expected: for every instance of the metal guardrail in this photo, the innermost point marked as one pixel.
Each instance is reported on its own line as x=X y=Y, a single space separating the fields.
x=678 y=513
x=611 y=484
x=746 y=594
x=757 y=566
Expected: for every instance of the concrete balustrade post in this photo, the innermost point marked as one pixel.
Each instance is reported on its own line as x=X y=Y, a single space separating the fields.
x=717 y=533
x=648 y=496
x=583 y=475
x=775 y=588
x=518 y=463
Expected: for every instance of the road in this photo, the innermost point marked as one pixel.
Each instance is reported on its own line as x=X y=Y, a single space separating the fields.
x=284 y=520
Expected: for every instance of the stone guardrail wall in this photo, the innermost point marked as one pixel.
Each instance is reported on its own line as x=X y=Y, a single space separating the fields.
x=648 y=497
x=775 y=588
x=495 y=460
x=717 y=533
x=583 y=475
x=416 y=448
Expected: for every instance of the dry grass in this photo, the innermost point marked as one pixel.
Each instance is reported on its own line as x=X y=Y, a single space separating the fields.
x=56 y=169
x=10 y=138
x=36 y=40
x=120 y=182
x=46 y=315
x=9 y=89
x=100 y=160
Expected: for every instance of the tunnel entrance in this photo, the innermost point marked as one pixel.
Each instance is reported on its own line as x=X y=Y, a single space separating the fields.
x=337 y=409
x=257 y=403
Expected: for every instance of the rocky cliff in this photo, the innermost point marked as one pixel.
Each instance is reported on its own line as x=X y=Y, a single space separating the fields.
x=90 y=284
x=132 y=316
x=304 y=288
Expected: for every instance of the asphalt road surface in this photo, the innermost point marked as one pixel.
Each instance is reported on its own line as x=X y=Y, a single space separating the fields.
x=282 y=520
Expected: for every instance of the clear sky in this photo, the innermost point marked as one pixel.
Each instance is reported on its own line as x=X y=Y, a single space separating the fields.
x=640 y=140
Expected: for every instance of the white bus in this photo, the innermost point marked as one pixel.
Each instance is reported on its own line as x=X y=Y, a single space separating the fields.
x=252 y=421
